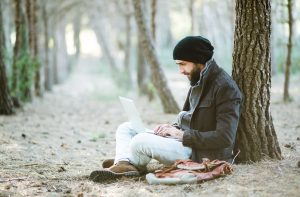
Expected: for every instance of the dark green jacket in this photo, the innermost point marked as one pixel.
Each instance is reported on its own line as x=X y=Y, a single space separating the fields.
x=213 y=124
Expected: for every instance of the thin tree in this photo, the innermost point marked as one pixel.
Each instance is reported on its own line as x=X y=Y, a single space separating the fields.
x=31 y=12
x=153 y=19
x=192 y=15
x=256 y=137
x=286 y=95
x=63 y=58
x=143 y=72
x=157 y=76
x=22 y=64
x=127 y=12
x=77 y=27
x=19 y=38
x=105 y=47
x=54 y=57
x=48 y=82
x=37 y=75
x=6 y=105
x=143 y=77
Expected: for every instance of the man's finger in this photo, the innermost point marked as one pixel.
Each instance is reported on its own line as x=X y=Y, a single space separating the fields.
x=157 y=128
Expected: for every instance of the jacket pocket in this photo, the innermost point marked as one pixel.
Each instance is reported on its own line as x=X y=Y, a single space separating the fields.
x=204 y=117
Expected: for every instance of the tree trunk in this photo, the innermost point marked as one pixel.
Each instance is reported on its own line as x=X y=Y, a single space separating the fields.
x=143 y=80
x=18 y=24
x=191 y=10
x=165 y=33
x=31 y=10
x=128 y=13
x=22 y=67
x=157 y=76
x=77 y=27
x=274 y=39
x=286 y=96
x=54 y=58
x=63 y=60
x=105 y=47
x=37 y=77
x=256 y=137
x=153 y=18
x=141 y=69
x=30 y=24
x=6 y=105
x=48 y=81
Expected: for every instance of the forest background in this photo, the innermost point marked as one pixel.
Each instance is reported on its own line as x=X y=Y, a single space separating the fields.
x=64 y=70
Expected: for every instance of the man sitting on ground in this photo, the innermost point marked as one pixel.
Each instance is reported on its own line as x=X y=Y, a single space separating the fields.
x=206 y=128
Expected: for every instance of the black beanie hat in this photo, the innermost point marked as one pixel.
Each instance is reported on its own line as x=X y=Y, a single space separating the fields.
x=194 y=49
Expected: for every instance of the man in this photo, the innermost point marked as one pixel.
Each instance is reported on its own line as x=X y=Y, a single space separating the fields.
x=206 y=128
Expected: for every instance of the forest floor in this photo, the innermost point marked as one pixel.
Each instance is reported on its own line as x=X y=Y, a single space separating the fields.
x=50 y=147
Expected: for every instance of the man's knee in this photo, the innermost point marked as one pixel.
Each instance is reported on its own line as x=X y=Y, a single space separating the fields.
x=123 y=128
x=139 y=142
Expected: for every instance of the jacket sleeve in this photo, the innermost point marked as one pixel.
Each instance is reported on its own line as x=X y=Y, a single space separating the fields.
x=228 y=101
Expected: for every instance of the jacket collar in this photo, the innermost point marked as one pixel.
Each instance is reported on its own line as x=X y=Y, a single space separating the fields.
x=205 y=72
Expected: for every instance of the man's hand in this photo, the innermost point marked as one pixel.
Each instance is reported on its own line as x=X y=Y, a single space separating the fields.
x=166 y=130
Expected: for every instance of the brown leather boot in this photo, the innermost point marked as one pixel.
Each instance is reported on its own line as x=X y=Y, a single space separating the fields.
x=120 y=169
x=107 y=163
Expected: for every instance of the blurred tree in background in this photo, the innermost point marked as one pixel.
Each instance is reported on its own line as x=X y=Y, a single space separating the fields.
x=286 y=95
x=157 y=75
x=6 y=105
x=23 y=66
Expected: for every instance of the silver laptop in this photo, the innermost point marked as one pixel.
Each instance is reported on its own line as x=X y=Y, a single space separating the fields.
x=133 y=115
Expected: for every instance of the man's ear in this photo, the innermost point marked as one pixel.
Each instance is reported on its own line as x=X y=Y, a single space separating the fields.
x=201 y=66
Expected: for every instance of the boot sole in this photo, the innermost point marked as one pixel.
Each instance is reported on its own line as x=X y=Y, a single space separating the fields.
x=106 y=175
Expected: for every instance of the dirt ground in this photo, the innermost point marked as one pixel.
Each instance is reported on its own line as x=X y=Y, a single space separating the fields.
x=51 y=145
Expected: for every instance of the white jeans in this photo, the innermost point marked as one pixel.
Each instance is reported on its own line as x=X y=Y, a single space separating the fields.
x=140 y=148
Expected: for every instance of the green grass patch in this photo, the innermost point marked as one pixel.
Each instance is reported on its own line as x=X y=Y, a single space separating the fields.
x=96 y=136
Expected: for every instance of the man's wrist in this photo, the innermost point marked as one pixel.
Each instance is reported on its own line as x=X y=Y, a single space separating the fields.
x=179 y=134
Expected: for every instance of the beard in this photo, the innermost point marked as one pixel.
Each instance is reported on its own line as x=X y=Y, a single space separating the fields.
x=194 y=75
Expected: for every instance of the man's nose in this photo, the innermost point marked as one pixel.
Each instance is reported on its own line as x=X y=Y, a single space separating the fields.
x=181 y=70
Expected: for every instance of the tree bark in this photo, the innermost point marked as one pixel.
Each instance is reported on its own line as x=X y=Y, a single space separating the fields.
x=286 y=95
x=31 y=10
x=157 y=76
x=256 y=137
x=141 y=69
x=22 y=78
x=37 y=75
x=18 y=24
x=274 y=39
x=143 y=80
x=48 y=82
x=153 y=18
x=6 y=105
